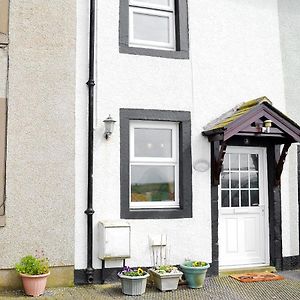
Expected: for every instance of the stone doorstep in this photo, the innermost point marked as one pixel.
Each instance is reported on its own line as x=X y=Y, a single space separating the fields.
x=228 y=271
x=62 y=276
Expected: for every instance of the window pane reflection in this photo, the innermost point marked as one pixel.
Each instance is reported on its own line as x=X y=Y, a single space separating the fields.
x=149 y=142
x=225 y=180
x=151 y=28
x=244 y=179
x=152 y=183
x=225 y=199
x=234 y=198
x=253 y=162
x=254 y=180
x=244 y=162
x=254 y=198
x=235 y=180
x=245 y=198
x=234 y=161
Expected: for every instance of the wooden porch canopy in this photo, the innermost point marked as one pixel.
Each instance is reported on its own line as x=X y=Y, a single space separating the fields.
x=257 y=119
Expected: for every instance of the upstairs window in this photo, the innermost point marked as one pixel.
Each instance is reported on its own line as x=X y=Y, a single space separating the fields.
x=154 y=28
x=152 y=24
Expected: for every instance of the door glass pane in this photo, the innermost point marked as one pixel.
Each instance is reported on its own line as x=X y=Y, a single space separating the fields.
x=234 y=198
x=244 y=162
x=244 y=180
x=152 y=183
x=225 y=198
x=253 y=180
x=157 y=2
x=234 y=161
x=226 y=163
x=254 y=198
x=234 y=180
x=225 y=180
x=253 y=162
x=149 y=142
x=151 y=28
x=245 y=198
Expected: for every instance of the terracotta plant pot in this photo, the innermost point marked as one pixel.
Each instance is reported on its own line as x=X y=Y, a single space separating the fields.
x=34 y=285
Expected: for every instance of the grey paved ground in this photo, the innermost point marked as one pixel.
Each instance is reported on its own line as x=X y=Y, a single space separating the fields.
x=215 y=288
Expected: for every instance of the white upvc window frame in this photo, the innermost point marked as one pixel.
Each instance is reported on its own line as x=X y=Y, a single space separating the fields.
x=139 y=3
x=152 y=10
x=156 y=161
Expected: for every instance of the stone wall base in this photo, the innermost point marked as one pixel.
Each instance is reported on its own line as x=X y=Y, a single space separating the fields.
x=60 y=276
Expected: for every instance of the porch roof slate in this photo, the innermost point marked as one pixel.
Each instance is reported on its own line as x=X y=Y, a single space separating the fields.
x=234 y=116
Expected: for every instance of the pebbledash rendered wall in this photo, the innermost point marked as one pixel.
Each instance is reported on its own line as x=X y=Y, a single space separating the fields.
x=289 y=17
x=40 y=171
x=235 y=56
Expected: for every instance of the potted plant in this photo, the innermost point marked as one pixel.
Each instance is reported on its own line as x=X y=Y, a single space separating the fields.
x=34 y=272
x=194 y=272
x=165 y=277
x=133 y=281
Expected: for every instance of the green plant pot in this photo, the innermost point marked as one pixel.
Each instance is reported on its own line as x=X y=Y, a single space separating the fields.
x=194 y=276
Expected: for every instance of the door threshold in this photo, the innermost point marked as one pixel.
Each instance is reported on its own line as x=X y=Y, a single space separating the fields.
x=228 y=270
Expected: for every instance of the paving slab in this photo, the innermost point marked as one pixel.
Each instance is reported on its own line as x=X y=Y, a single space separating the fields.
x=216 y=288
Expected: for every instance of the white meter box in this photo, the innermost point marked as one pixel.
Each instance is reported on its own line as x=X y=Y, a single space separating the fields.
x=114 y=240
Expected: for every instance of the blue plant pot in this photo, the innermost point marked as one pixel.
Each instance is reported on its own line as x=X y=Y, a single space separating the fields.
x=194 y=276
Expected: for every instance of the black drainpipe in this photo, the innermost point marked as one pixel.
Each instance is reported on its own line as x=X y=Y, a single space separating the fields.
x=89 y=271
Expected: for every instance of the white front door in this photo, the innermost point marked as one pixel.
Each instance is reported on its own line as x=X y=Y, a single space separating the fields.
x=243 y=211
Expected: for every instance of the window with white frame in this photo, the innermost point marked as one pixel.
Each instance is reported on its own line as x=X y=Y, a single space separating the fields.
x=152 y=24
x=154 y=164
x=154 y=28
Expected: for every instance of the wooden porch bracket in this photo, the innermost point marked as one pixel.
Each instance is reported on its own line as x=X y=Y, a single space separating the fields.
x=219 y=152
x=280 y=163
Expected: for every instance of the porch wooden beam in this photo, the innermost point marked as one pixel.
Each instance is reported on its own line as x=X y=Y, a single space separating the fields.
x=280 y=163
x=219 y=152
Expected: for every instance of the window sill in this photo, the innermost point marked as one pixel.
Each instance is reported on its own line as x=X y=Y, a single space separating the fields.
x=157 y=213
x=182 y=54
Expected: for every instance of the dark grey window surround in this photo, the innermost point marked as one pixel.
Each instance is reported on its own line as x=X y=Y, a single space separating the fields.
x=182 y=36
x=185 y=164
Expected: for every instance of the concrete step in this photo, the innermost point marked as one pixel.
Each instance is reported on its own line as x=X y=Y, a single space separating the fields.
x=229 y=271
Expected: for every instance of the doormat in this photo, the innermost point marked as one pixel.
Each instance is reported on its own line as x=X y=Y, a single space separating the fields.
x=256 y=277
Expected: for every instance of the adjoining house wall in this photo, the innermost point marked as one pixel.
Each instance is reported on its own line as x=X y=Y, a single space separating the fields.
x=3 y=95
x=289 y=24
x=234 y=56
x=40 y=176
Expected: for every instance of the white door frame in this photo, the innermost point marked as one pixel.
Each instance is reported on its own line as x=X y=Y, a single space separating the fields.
x=263 y=194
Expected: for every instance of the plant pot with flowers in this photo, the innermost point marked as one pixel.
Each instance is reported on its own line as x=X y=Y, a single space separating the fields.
x=133 y=281
x=194 y=272
x=34 y=272
x=165 y=277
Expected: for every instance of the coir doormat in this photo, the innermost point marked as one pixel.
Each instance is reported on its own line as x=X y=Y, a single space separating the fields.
x=255 y=277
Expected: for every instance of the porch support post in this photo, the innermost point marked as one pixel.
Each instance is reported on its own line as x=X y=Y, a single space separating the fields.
x=274 y=208
x=214 y=269
x=218 y=154
x=280 y=163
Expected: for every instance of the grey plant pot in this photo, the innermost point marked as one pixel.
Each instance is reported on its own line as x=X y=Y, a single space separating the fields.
x=167 y=281
x=133 y=286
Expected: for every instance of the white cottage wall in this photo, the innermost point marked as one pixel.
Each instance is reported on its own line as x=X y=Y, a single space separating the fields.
x=289 y=18
x=234 y=56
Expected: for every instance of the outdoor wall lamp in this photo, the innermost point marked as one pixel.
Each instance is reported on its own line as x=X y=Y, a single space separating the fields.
x=109 y=123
